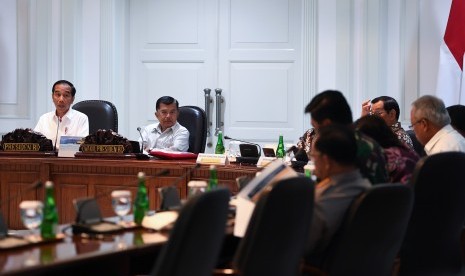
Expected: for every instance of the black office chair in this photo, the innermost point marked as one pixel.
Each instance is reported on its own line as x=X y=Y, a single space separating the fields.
x=101 y=114
x=420 y=150
x=372 y=233
x=275 y=237
x=196 y=238
x=195 y=120
x=432 y=241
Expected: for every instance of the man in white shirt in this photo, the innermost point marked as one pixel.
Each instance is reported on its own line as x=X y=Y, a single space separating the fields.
x=64 y=120
x=167 y=133
x=431 y=123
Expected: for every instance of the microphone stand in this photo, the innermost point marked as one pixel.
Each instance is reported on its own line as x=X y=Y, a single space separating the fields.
x=259 y=148
x=169 y=194
x=56 y=136
x=139 y=129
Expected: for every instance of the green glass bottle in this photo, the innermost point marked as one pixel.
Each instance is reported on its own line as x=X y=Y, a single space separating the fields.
x=141 y=203
x=280 y=152
x=48 y=228
x=213 y=181
x=219 y=149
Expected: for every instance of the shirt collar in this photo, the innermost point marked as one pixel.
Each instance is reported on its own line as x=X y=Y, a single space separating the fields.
x=69 y=115
x=433 y=141
x=173 y=128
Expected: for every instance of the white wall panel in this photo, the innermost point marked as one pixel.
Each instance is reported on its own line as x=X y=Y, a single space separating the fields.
x=8 y=54
x=173 y=21
x=262 y=87
x=364 y=48
x=179 y=80
x=259 y=21
x=432 y=24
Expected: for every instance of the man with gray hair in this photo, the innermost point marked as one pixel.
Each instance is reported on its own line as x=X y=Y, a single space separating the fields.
x=431 y=122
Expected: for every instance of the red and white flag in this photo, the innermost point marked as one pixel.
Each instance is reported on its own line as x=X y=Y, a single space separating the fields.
x=451 y=80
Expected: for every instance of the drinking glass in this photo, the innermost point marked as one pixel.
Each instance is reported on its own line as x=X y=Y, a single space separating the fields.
x=31 y=215
x=121 y=202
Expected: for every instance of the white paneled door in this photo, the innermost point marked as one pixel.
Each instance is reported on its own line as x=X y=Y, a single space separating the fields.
x=250 y=49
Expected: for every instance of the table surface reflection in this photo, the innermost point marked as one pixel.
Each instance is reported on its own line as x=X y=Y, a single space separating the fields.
x=76 y=252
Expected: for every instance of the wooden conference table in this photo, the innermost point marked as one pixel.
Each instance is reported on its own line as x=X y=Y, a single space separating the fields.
x=86 y=177
x=127 y=253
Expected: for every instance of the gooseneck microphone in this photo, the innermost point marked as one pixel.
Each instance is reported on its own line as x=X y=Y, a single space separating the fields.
x=56 y=136
x=139 y=129
x=188 y=173
x=169 y=195
x=144 y=143
x=255 y=144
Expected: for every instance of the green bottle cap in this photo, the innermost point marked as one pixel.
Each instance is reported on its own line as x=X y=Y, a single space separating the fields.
x=48 y=184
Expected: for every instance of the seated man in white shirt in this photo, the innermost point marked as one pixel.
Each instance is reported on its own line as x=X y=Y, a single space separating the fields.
x=167 y=134
x=431 y=123
x=64 y=120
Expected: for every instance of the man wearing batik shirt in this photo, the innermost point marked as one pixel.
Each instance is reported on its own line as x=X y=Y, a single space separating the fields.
x=388 y=109
x=331 y=107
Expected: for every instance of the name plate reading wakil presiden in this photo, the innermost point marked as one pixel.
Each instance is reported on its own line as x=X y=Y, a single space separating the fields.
x=21 y=147
x=102 y=148
x=212 y=159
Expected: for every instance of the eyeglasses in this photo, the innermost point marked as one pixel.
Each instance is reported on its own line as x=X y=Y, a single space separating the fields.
x=413 y=124
x=376 y=112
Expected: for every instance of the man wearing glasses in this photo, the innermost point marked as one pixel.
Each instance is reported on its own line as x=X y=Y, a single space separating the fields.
x=388 y=109
x=167 y=133
x=431 y=123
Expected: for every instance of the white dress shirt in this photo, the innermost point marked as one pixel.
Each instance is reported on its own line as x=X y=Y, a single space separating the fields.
x=73 y=123
x=446 y=139
x=175 y=138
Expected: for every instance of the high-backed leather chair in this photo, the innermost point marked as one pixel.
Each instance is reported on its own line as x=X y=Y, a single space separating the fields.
x=195 y=241
x=432 y=241
x=275 y=238
x=101 y=114
x=372 y=233
x=195 y=120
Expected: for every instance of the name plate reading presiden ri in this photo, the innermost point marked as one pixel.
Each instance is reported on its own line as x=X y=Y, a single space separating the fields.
x=102 y=148
x=21 y=147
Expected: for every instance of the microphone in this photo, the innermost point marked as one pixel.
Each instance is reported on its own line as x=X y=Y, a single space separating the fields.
x=169 y=195
x=139 y=129
x=3 y=226
x=56 y=136
x=250 y=143
x=88 y=213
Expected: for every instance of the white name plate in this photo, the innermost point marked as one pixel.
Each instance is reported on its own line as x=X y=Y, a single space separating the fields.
x=265 y=161
x=212 y=159
x=69 y=145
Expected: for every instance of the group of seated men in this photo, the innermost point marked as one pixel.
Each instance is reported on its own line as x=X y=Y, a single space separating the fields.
x=167 y=133
x=349 y=156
